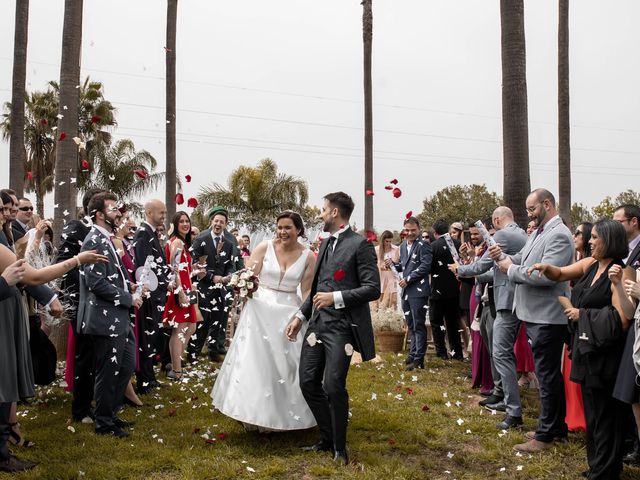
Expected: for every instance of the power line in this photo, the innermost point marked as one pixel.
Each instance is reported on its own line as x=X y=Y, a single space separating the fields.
x=325 y=98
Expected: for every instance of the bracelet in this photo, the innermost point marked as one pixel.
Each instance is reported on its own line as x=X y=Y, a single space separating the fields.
x=78 y=264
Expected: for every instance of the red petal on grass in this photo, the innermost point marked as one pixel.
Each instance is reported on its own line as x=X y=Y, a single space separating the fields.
x=210 y=441
x=222 y=435
x=44 y=121
x=425 y=408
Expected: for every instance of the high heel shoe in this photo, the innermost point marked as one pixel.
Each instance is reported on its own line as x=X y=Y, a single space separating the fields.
x=131 y=403
x=17 y=439
x=175 y=375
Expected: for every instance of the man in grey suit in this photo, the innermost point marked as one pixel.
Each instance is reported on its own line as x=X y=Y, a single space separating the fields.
x=414 y=268
x=103 y=313
x=346 y=279
x=506 y=392
x=536 y=303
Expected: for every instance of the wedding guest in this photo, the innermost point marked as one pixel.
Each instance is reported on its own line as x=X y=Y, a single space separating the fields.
x=575 y=408
x=388 y=280
x=152 y=340
x=215 y=250
x=600 y=312
x=244 y=251
x=531 y=227
x=80 y=365
x=103 y=313
x=121 y=240
x=161 y=234
x=627 y=387
x=445 y=290
x=535 y=302
x=455 y=230
x=20 y=225
x=413 y=266
x=180 y=311
x=16 y=381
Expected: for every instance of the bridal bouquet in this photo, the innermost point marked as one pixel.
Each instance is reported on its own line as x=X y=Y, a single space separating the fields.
x=244 y=283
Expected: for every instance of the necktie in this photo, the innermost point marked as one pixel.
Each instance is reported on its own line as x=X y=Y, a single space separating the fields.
x=216 y=242
x=330 y=246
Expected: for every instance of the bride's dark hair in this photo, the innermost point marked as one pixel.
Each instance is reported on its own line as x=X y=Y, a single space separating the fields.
x=295 y=218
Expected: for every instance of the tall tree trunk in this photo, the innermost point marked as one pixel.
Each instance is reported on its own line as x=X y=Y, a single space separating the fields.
x=17 y=151
x=515 y=128
x=564 y=129
x=367 y=39
x=170 y=177
x=40 y=193
x=65 y=193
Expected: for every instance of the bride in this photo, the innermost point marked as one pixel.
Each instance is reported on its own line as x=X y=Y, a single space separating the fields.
x=258 y=382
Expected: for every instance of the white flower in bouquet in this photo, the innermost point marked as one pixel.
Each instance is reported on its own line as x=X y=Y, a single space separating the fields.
x=244 y=292
x=242 y=283
x=234 y=280
x=250 y=285
x=246 y=275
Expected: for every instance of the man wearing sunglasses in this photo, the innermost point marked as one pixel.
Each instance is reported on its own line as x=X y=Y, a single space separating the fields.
x=20 y=225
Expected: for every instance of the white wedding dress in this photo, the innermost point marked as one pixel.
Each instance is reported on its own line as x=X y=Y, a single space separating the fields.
x=258 y=382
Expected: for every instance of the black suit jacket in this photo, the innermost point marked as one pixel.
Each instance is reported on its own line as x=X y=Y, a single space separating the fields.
x=444 y=284
x=634 y=258
x=219 y=262
x=356 y=257
x=73 y=234
x=18 y=231
x=146 y=243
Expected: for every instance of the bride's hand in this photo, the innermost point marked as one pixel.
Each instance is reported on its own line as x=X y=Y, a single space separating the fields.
x=293 y=328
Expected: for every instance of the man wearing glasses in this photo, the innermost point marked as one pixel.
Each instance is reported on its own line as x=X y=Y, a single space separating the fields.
x=20 y=225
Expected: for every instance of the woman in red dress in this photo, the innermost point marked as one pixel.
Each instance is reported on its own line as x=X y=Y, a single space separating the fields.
x=180 y=311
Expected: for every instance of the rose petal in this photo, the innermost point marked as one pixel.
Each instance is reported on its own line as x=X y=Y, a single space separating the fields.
x=62 y=136
x=85 y=165
x=339 y=275
x=95 y=119
x=311 y=339
x=397 y=192
x=409 y=214
x=369 y=192
x=394 y=181
x=140 y=174
x=388 y=187
x=187 y=178
x=179 y=199
x=29 y=175
x=371 y=236
x=192 y=202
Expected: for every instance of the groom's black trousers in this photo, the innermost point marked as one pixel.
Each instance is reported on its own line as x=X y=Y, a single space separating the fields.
x=323 y=377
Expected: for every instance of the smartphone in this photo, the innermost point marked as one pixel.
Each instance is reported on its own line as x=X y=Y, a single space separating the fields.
x=466 y=235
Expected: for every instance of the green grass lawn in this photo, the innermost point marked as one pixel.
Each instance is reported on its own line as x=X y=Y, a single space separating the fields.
x=424 y=425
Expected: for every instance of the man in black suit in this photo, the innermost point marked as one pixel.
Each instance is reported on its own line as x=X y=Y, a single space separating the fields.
x=445 y=292
x=213 y=244
x=103 y=313
x=346 y=279
x=20 y=225
x=152 y=338
x=73 y=235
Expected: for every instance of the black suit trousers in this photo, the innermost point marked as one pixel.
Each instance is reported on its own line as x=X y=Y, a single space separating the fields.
x=212 y=329
x=84 y=369
x=115 y=363
x=323 y=377
x=444 y=316
x=150 y=338
x=5 y=430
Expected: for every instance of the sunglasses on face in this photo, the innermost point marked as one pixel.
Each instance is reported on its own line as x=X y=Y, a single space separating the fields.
x=26 y=209
x=577 y=233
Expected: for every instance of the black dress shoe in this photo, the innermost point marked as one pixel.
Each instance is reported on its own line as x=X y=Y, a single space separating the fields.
x=633 y=457
x=414 y=365
x=509 y=422
x=12 y=464
x=118 y=422
x=408 y=361
x=490 y=399
x=341 y=457
x=498 y=407
x=321 y=446
x=216 y=358
x=112 y=430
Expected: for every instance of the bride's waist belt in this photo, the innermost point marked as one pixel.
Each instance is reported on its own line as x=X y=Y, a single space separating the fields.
x=278 y=289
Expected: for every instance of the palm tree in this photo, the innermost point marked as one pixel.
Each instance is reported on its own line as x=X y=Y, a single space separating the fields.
x=367 y=38
x=112 y=168
x=564 y=140
x=67 y=151
x=172 y=21
x=17 y=154
x=255 y=196
x=515 y=127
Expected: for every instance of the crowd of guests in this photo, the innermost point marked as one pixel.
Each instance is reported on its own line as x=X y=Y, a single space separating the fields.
x=543 y=308
x=136 y=300
x=556 y=309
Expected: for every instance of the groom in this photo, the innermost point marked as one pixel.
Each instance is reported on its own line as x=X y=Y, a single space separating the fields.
x=346 y=279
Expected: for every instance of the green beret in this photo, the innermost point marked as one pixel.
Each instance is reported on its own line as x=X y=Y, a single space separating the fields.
x=213 y=211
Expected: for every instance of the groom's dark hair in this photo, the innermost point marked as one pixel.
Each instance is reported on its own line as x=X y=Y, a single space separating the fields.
x=342 y=202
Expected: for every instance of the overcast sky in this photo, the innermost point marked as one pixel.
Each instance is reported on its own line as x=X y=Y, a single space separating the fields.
x=283 y=79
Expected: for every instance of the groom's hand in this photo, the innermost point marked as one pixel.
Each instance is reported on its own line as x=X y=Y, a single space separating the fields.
x=322 y=300
x=293 y=328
